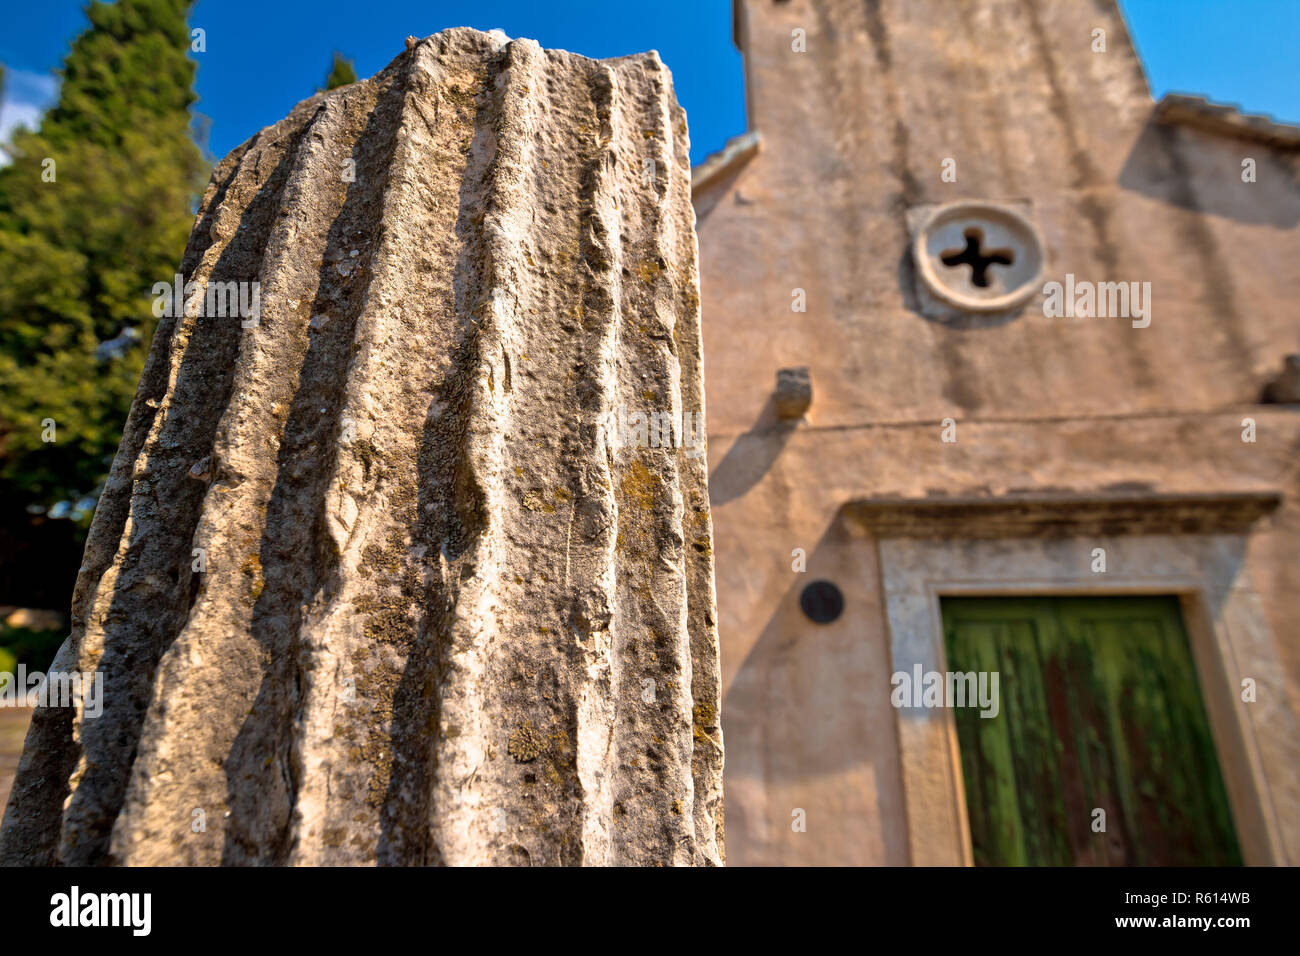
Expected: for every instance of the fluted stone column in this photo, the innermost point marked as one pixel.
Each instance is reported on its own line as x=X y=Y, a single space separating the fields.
x=374 y=578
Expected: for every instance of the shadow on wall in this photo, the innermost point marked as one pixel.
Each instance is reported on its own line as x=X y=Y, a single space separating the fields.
x=750 y=455
x=1160 y=167
x=809 y=726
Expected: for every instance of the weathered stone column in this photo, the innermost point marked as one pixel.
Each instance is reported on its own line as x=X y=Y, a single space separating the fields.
x=397 y=573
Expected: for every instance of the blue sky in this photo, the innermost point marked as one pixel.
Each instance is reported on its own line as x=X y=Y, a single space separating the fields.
x=263 y=57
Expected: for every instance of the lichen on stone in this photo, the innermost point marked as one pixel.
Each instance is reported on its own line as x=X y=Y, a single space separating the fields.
x=526 y=743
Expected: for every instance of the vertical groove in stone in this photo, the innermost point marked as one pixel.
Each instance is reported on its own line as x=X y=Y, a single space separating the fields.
x=654 y=693
x=370 y=650
x=592 y=528
x=446 y=618
x=474 y=810
x=266 y=463
x=50 y=738
x=697 y=522
x=141 y=603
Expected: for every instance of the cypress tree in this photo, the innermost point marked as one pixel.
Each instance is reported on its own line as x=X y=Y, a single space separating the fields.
x=95 y=207
x=341 y=72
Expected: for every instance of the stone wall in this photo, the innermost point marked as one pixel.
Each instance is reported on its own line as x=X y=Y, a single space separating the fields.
x=855 y=131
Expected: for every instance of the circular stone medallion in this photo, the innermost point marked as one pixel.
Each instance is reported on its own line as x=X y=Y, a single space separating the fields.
x=979 y=256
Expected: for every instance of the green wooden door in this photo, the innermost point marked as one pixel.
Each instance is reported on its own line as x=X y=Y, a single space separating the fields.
x=1100 y=709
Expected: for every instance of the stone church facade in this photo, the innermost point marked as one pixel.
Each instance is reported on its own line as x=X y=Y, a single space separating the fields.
x=911 y=468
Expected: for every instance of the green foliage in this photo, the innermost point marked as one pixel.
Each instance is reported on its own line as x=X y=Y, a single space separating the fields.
x=83 y=239
x=341 y=72
x=36 y=649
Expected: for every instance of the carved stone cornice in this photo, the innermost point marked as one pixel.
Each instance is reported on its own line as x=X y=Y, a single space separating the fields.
x=1061 y=515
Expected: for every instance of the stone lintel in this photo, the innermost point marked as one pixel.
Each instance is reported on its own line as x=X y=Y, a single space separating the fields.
x=1061 y=515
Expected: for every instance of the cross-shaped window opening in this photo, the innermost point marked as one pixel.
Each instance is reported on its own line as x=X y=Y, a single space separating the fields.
x=978 y=260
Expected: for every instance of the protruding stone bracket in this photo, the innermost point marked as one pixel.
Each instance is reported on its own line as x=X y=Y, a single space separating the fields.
x=1285 y=389
x=793 y=394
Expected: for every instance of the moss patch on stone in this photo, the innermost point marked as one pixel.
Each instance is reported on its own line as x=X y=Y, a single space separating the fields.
x=640 y=485
x=252 y=567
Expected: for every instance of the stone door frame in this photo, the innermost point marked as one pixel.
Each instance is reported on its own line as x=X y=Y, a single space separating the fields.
x=997 y=556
